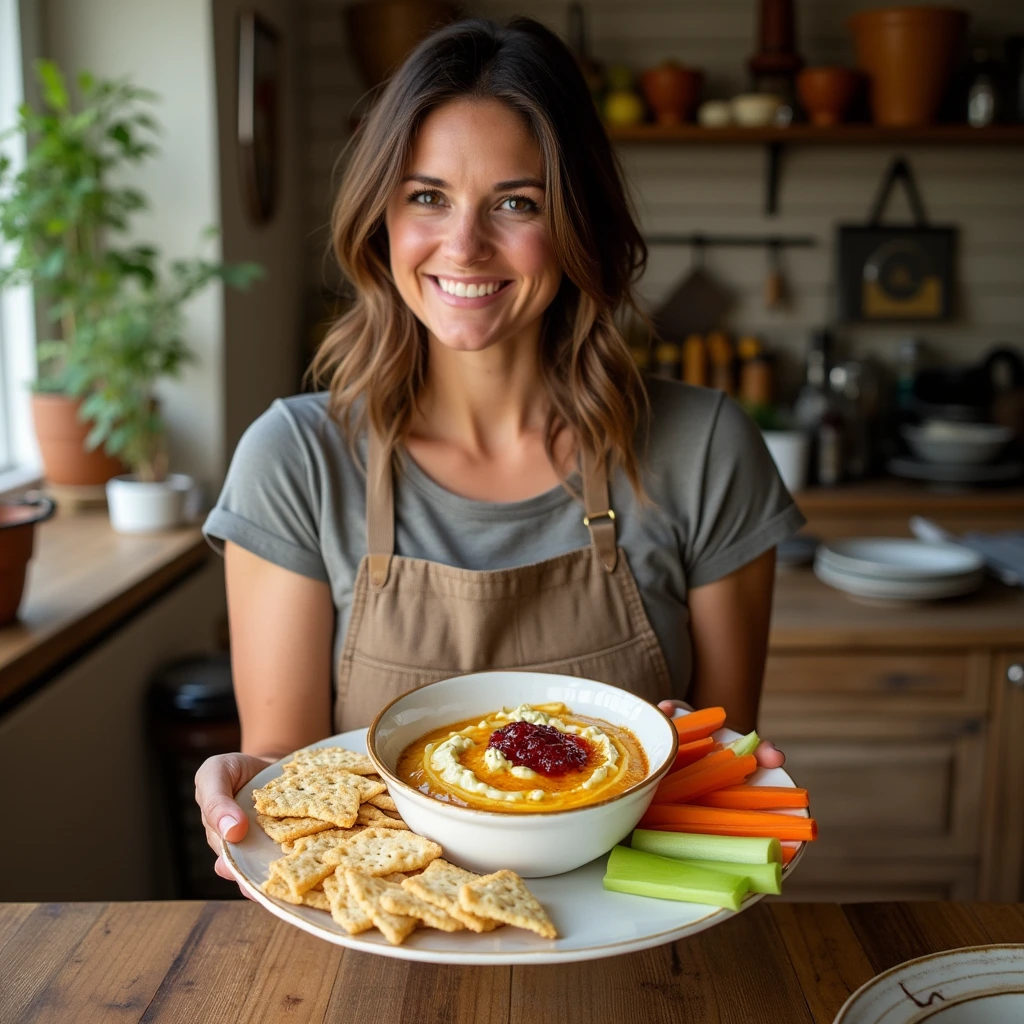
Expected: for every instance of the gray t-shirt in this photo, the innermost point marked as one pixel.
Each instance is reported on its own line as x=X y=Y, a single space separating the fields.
x=294 y=496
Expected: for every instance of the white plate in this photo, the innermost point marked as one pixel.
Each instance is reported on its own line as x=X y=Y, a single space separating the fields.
x=899 y=559
x=592 y=923
x=974 y=985
x=897 y=590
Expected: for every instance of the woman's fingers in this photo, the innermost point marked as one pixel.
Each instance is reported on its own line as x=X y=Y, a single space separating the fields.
x=670 y=706
x=217 y=780
x=769 y=756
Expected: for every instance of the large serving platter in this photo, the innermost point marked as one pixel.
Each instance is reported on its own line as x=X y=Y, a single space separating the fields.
x=591 y=922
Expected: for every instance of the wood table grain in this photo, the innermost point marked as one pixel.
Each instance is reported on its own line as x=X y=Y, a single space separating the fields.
x=212 y=962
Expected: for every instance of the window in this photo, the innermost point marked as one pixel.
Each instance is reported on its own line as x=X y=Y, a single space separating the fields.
x=19 y=457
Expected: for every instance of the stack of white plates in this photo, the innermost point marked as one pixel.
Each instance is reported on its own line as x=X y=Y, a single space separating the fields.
x=886 y=569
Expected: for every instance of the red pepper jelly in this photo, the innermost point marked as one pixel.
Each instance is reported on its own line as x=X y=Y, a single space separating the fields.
x=541 y=747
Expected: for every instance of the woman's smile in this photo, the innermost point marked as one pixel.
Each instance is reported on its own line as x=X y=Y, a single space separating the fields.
x=469 y=292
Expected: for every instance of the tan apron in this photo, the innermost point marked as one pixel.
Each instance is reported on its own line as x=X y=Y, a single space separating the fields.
x=414 y=622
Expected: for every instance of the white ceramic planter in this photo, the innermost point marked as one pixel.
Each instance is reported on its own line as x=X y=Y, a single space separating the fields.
x=791 y=450
x=137 y=506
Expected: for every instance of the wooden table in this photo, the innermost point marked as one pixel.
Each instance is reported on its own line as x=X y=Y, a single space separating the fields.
x=204 y=963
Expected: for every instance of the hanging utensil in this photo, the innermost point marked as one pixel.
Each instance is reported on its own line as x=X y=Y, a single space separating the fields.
x=696 y=305
x=775 y=291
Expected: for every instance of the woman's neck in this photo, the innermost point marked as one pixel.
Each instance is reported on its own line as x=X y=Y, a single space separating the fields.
x=483 y=401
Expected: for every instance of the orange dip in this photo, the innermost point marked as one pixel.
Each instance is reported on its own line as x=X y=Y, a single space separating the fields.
x=453 y=764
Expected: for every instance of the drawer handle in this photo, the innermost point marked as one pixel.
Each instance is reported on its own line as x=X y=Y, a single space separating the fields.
x=1015 y=674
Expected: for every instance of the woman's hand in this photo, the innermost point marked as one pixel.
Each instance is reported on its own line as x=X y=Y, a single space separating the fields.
x=767 y=754
x=217 y=781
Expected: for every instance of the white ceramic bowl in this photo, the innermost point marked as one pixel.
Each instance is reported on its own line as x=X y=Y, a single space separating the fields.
x=957 y=444
x=533 y=845
x=754 y=109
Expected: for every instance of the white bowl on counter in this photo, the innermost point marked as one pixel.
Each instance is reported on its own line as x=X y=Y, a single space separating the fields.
x=754 y=109
x=959 y=444
x=531 y=844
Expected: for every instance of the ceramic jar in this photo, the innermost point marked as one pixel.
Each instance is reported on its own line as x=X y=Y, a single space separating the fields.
x=672 y=92
x=827 y=93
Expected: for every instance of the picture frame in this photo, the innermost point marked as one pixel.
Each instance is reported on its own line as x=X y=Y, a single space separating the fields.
x=259 y=114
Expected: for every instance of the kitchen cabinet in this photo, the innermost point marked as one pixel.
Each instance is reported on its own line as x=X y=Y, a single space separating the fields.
x=904 y=725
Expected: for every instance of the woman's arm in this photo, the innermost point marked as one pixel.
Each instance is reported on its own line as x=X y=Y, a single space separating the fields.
x=729 y=630
x=282 y=635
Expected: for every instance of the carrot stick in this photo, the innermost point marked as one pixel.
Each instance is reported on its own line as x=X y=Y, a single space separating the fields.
x=708 y=761
x=698 y=724
x=683 y=788
x=789 y=851
x=690 y=752
x=718 y=821
x=753 y=798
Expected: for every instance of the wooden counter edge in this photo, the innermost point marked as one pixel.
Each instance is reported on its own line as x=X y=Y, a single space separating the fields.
x=74 y=635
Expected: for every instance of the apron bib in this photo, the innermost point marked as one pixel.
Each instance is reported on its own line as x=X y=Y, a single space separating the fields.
x=414 y=622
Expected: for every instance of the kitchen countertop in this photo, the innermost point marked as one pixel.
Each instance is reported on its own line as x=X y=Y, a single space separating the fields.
x=808 y=614
x=229 y=961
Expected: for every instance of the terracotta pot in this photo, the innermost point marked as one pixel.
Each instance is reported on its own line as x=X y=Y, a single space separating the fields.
x=384 y=32
x=672 y=92
x=908 y=54
x=61 y=436
x=18 y=520
x=827 y=93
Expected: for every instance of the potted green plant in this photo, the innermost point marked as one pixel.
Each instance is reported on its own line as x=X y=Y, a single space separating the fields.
x=117 y=317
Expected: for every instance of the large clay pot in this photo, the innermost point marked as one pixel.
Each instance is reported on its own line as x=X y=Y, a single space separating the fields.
x=672 y=91
x=384 y=32
x=827 y=93
x=908 y=54
x=61 y=436
x=18 y=520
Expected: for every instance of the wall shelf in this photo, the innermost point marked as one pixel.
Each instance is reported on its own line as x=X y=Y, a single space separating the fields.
x=776 y=139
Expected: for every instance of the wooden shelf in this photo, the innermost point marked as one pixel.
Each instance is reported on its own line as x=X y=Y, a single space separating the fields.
x=840 y=135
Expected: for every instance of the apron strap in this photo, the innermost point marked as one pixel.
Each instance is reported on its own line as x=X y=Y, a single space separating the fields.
x=380 y=511
x=599 y=517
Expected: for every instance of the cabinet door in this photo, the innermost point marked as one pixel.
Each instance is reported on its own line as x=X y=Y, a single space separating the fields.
x=882 y=792
x=1002 y=869
x=858 y=880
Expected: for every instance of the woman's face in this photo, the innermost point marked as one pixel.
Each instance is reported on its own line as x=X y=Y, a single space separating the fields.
x=470 y=249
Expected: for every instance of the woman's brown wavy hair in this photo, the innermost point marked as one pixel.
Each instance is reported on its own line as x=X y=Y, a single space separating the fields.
x=377 y=351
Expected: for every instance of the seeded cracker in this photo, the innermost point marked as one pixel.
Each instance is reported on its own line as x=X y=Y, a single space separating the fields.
x=379 y=851
x=369 y=815
x=342 y=904
x=397 y=900
x=278 y=888
x=332 y=758
x=332 y=796
x=367 y=892
x=287 y=830
x=503 y=896
x=439 y=885
x=308 y=867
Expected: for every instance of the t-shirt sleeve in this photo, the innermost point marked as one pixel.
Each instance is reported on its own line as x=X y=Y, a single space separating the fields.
x=270 y=502
x=745 y=508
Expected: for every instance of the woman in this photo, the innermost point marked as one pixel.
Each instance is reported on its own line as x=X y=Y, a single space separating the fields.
x=488 y=482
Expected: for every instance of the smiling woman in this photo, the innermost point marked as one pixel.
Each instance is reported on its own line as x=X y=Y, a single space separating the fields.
x=486 y=470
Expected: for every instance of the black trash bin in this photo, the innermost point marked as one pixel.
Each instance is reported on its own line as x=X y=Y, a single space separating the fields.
x=192 y=715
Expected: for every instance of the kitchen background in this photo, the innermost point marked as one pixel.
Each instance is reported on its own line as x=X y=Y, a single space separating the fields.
x=902 y=723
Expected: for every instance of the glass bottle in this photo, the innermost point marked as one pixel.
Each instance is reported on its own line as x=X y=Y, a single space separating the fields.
x=981 y=97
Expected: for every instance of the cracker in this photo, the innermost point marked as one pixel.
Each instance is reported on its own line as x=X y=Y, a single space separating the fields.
x=368 y=891
x=287 y=830
x=308 y=867
x=384 y=801
x=439 y=885
x=503 y=896
x=331 y=757
x=369 y=788
x=379 y=851
x=398 y=900
x=316 y=897
x=278 y=888
x=300 y=844
x=343 y=907
x=332 y=796
x=373 y=816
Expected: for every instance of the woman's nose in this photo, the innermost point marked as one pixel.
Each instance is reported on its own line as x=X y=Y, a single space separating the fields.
x=466 y=242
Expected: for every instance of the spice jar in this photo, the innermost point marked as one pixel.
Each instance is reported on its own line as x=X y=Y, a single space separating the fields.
x=667 y=357
x=695 y=361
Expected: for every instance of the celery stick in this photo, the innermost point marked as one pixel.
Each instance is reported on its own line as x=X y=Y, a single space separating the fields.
x=766 y=878
x=644 y=874
x=685 y=846
x=744 y=745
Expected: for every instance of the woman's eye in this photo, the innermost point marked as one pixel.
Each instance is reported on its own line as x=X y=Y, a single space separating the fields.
x=520 y=204
x=426 y=198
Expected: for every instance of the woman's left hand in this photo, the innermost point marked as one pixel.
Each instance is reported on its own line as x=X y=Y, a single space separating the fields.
x=767 y=754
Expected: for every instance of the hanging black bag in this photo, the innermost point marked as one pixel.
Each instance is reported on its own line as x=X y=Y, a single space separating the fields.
x=895 y=272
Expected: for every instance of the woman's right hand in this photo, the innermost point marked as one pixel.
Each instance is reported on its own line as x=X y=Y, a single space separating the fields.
x=217 y=781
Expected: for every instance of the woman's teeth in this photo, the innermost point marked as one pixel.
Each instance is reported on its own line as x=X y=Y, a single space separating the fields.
x=468 y=291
